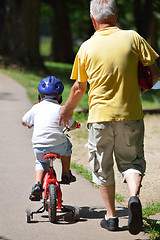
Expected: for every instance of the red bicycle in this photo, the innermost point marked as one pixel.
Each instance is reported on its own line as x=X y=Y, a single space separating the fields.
x=52 y=195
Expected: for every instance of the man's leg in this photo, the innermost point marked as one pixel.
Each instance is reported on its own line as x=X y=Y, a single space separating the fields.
x=134 y=205
x=108 y=195
x=110 y=221
x=134 y=183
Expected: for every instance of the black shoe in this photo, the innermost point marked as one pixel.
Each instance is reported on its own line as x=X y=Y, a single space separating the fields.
x=111 y=224
x=135 y=215
x=36 y=193
x=68 y=178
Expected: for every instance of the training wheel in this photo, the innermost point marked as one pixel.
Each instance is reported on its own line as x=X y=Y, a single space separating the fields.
x=28 y=215
x=76 y=213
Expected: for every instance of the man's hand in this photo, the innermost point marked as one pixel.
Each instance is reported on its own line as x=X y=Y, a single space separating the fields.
x=65 y=116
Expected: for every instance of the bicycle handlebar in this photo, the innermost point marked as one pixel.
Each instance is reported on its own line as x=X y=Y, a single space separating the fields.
x=67 y=128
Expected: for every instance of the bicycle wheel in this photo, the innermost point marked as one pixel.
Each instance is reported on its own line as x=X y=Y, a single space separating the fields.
x=76 y=216
x=52 y=206
x=28 y=215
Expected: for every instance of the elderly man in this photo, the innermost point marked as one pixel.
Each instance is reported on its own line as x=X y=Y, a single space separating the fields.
x=108 y=61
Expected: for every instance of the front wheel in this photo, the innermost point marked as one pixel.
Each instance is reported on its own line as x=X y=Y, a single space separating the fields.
x=52 y=206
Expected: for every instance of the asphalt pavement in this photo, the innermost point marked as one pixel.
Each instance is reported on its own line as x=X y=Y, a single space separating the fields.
x=17 y=177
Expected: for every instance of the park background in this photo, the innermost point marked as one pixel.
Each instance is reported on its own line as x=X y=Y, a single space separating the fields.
x=40 y=38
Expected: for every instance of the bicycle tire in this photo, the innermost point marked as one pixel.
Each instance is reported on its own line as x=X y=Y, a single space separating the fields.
x=28 y=216
x=76 y=215
x=52 y=206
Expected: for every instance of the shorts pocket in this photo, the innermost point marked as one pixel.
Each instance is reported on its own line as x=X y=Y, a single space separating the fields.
x=131 y=132
x=93 y=161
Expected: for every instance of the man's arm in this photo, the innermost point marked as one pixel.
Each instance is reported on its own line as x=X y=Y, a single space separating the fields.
x=77 y=91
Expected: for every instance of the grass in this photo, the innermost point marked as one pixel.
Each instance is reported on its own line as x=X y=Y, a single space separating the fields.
x=88 y=175
x=80 y=169
x=151 y=226
x=30 y=80
x=151 y=99
x=151 y=209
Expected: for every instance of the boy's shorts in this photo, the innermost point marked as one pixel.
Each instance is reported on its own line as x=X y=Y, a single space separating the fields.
x=125 y=140
x=64 y=149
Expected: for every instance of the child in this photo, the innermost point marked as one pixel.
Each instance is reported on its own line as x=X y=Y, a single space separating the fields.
x=47 y=135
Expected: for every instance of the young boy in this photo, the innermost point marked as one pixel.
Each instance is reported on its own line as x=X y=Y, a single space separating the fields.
x=47 y=135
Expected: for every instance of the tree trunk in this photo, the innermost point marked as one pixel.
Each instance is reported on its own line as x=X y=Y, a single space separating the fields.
x=62 y=50
x=20 y=34
x=2 y=9
x=143 y=14
x=154 y=33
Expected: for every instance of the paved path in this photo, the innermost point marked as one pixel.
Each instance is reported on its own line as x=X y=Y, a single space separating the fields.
x=17 y=177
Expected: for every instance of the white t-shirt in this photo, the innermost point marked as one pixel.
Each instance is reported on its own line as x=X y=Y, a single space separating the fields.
x=44 y=116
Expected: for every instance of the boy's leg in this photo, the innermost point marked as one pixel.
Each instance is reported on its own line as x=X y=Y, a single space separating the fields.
x=67 y=176
x=65 y=164
x=39 y=175
x=37 y=189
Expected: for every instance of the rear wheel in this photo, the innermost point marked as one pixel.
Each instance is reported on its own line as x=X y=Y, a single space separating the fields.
x=52 y=206
x=76 y=213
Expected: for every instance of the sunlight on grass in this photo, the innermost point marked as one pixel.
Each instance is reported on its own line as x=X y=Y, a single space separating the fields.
x=151 y=209
x=151 y=226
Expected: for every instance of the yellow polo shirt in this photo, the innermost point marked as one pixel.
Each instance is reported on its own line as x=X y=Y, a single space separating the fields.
x=108 y=61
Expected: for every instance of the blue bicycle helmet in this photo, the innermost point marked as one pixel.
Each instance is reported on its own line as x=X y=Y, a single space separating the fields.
x=51 y=86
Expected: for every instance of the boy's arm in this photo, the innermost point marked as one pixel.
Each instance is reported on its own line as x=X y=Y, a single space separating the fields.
x=28 y=118
x=24 y=124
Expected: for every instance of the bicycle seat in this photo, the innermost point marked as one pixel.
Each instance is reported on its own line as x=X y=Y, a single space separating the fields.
x=51 y=155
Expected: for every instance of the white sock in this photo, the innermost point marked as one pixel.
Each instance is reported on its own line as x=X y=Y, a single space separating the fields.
x=108 y=218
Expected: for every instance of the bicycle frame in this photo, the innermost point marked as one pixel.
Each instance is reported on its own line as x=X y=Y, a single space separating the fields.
x=51 y=179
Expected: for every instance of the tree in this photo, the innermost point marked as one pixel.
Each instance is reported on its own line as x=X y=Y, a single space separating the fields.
x=62 y=48
x=154 y=33
x=143 y=14
x=20 y=34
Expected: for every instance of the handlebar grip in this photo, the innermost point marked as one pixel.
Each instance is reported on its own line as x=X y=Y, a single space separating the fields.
x=78 y=125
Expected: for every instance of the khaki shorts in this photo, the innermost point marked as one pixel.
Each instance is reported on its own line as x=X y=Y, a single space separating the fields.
x=122 y=139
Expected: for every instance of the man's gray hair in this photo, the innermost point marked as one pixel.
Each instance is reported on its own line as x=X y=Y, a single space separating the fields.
x=101 y=9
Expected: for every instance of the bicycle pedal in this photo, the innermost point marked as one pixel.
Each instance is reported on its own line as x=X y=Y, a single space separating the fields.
x=35 y=198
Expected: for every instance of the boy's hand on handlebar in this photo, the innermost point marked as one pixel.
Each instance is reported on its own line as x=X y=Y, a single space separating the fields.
x=78 y=125
x=74 y=126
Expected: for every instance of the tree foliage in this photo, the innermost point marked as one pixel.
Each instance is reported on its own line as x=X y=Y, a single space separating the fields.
x=20 y=32
x=68 y=23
